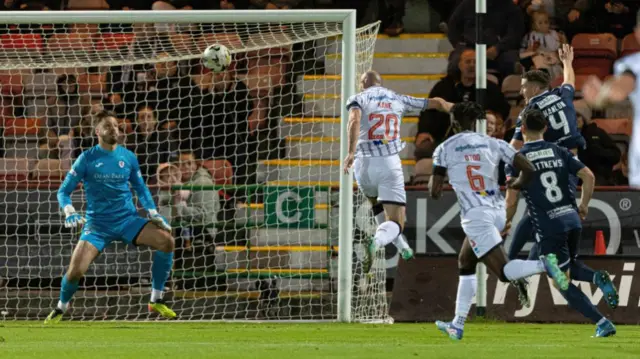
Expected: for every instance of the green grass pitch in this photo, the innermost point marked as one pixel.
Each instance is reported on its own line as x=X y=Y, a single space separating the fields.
x=175 y=340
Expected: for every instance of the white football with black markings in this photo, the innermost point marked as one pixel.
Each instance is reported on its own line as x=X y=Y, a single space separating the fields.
x=216 y=57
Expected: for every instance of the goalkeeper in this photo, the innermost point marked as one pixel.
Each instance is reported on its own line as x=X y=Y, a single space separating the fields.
x=106 y=171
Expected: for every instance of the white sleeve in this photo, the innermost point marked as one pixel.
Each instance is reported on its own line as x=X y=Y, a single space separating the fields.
x=504 y=150
x=413 y=104
x=354 y=102
x=438 y=157
x=627 y=64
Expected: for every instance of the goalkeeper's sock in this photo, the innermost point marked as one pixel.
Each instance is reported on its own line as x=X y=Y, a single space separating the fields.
x=160 y=269
x=467 y=286
x=67 y=290
x=579 y=301
x=386 y=233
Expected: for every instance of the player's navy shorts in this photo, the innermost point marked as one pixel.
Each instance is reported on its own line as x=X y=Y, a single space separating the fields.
x=563 y=245
x=102 y=233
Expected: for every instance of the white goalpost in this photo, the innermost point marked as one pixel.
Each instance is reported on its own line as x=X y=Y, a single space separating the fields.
x=245 y=163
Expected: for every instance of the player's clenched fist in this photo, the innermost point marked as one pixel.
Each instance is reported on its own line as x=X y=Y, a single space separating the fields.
x=73 y=219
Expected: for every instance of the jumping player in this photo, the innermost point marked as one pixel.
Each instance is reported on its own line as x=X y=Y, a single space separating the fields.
x=375 y=118
x=552 y=208
x=617 y=89
x=106 y=171
x=471 y=160
x=557 y=106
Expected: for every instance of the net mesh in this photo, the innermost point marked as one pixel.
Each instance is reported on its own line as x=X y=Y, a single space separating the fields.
x=243 y=163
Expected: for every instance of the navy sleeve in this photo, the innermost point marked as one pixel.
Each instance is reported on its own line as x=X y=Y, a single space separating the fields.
x=566 y=92
x=138 y=185
x=574 y=165
x=517 y=135
x=510 y=171
x=74 y=176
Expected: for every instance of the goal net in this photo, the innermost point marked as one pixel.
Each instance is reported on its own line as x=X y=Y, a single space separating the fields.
x=244 y=163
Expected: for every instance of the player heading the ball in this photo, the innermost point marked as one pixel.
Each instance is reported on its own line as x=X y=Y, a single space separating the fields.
x=106 y=170
x=375 y=117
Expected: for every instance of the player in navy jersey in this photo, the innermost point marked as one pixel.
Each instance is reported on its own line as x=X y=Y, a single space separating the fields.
x=106 y=172
x=552 y=207
x=557 y=107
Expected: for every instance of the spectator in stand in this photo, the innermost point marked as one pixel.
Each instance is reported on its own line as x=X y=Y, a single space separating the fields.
x=617 y=17
x=170 y=201
x=200 y=4
x=164 y=87
x=540 y=46
x=503 y=32
x=495 y=129
x=202 y=206
x=621 y=173
x=152 y=144
x=64 y=110
x=84 y=134
x=444 y=9
x=195 y=110
x=434 y=127
x=568 y=15
x=601 y=153
x=275 y=4
x=48 y=145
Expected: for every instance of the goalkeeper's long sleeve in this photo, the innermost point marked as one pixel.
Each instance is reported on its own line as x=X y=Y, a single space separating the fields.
x=138 y=185
x=73 y=177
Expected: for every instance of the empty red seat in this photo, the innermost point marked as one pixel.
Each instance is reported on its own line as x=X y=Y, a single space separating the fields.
x=22 y=126
x=615 y=126
x=594 y=53
x=629 y=45
x=221 y=171
x=113 y=41
x=26 y=42
x=71 y=45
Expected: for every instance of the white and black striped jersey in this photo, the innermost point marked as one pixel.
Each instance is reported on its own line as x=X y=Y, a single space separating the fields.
x=472 y=161
x=382 y=111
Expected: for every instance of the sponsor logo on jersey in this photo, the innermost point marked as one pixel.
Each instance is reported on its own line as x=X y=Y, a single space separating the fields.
x=73 y=173
x=99 y=164
x=536 y=155
x=470 y=147
x=487 y=193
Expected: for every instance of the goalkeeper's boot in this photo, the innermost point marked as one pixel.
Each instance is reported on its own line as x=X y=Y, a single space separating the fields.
x=550 y=262
x=450 y=330
x=605 y=329
x=603 y=281
x=160 y=307
x=370 y=254
x=523 y=295
x=407 y=254
x=54 y=317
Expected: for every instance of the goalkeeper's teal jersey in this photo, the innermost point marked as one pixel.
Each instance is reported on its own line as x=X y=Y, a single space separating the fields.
x=106 y=176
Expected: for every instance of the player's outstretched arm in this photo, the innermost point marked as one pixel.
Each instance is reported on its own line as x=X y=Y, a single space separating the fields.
x=526 y=169
x=614 y=90
x=436 y=182
x=73 y=177
x=439 y=104
x=566 y=56
x=144 y=196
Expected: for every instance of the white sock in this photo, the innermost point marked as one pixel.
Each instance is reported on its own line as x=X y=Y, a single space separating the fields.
x=467 y=286
x=518 y=268
x=63 y=306
x=401 y=243
x=386 y=233
x=156 y=294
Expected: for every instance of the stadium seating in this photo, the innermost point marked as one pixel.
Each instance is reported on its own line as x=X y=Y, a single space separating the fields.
x=594 y=53
x=20 y=127
x=112 y=41
x=615 y=126
x=629 y=45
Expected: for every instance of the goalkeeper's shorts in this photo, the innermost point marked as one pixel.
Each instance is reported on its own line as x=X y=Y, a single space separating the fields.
x=101 y=233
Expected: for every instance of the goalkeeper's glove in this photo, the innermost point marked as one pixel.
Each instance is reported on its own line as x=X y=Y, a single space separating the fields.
x=73 y=219
x=159 y=220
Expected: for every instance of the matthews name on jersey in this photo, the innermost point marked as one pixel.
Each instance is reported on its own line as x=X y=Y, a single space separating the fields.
x=472 y=162
x=106 y=176
x=557 y=107
x=382 y=111
x=549 y=195
x=631 y=65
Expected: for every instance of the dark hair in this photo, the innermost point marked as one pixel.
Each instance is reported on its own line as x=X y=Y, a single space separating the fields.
x=534 y=120
x=539 y=77
x=103 y=115
x=466 y=113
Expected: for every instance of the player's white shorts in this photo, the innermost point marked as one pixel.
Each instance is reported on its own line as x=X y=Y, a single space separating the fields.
x=483 y=226
x=381 y=178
